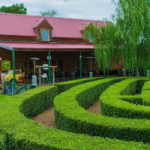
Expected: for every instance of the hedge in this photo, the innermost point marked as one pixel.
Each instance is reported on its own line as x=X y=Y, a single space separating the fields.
x=146 y=93
x=23 y=133
x=2 y=136
x=143 y=98
x=70 y=116
x=41 y=101
x=63 y=86
x=119 y=108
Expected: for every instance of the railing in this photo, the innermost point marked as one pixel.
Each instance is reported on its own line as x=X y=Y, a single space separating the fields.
x=14 y=88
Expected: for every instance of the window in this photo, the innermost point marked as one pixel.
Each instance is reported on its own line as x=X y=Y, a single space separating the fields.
x=85 y=65
x=77 y=65
x=90 y=38
x=5 y=65
x=24 y=66
x=53 y=63
x=45 y=35
x=31 y=67
x=60 y=66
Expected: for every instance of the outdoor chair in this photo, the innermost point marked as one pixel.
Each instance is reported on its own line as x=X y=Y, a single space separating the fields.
x=21 y=79
x=44 y=77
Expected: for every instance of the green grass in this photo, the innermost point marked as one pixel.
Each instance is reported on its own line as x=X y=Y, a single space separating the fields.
x=3 y=96
x=24 y=133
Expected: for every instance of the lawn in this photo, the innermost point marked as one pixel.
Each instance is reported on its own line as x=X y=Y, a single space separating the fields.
x=3 y=96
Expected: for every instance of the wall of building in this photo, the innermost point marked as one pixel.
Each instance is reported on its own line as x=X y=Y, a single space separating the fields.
x=69 y=59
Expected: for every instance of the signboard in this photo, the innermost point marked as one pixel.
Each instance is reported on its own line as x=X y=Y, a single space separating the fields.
x=45 y=65
x=48 y=57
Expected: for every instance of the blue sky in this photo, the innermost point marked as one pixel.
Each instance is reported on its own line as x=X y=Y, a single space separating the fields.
x=79 y=9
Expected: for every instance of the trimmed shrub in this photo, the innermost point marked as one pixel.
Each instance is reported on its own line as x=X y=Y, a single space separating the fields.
x=146 y=94
x=63 y=86
x=2 y=139
x=70 y=116
x=23 y=133
x=119 y=108
x=41 y=101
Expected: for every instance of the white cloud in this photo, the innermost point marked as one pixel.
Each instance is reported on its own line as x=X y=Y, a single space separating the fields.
x=80 y=9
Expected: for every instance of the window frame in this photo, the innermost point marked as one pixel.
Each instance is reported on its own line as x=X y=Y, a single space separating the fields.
x=44 y=35
x=2 y=65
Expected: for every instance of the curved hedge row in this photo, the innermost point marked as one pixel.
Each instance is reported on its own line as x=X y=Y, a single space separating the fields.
x=23 y=133
x=119 y=108
x=40 y=102
x=63 y=86
x=146 y=93
x=70 y=116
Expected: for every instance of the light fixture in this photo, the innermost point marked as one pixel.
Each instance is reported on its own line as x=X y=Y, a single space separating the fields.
x=34 y=77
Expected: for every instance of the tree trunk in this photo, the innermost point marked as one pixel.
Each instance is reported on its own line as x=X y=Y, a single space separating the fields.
x=137 y=71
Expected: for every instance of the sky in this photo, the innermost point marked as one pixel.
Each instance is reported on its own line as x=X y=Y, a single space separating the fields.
x=78 y=9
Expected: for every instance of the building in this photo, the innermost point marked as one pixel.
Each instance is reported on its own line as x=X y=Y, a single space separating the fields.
x=25 y=36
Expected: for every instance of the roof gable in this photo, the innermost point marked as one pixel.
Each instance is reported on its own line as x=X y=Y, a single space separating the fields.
x=40 y=21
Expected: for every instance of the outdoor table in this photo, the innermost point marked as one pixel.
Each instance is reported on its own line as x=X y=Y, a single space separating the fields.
x=39 y=67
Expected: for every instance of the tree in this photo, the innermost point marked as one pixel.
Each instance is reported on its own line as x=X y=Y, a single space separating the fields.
x=49 y=13
x=16 y=9
x=103 y=38
x=129 y=38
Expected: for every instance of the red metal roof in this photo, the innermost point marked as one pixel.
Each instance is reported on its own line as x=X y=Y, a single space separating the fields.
x=22 y=25
x=38 y=22
x=46 y=46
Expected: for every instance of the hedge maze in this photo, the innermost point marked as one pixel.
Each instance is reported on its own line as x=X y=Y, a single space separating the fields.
x=124 y=123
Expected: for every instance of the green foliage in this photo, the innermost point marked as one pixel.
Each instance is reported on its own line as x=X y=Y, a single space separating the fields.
x=63 y=86
x=104 y=38
x=119 y=108
x=128 y=38
x=15 y=8
x=41 y=101
x=2 y=139
x=133 y=24
x=145 y=93
x=24 y=133
x=2 y=96
x=74 y=118
x=6 y=65
x=50 y=13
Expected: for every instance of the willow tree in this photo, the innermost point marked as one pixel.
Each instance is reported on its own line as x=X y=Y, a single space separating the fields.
x=104 y=38
x=128 y=38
